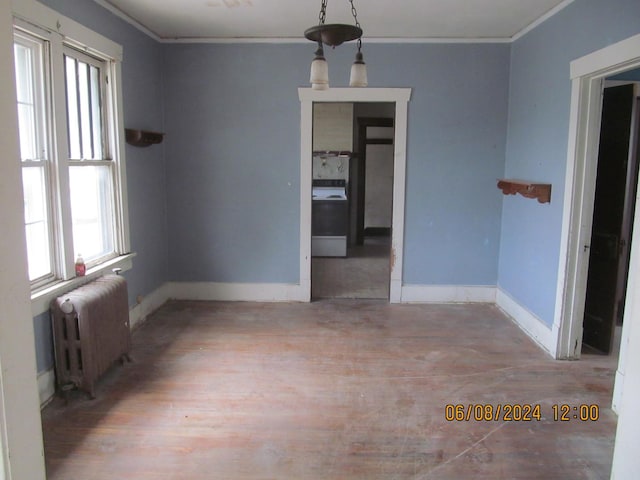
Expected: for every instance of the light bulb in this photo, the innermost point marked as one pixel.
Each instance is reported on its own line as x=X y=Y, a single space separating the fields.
x=319 y=71
x=358 y=72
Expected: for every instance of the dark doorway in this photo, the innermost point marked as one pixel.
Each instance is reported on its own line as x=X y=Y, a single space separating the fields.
x=368 y=140
x=616 y=184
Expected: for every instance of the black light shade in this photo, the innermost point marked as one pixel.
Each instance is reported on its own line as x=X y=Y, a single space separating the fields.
x=333 y=34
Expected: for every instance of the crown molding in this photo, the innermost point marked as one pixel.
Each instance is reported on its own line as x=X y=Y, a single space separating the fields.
x=129 y=19
x=293 y=40
x=541 y=20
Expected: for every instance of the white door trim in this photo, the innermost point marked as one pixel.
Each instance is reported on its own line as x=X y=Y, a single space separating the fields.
x=587 y=74
x=398 y=96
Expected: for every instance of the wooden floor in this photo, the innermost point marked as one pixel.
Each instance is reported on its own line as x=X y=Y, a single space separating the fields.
x=339 y=389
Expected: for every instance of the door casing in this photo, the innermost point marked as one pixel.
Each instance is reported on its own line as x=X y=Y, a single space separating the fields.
x=400 y=97
x=587 y=77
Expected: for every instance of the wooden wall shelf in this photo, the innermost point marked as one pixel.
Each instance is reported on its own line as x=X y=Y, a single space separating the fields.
x=539 y=191
x=142 y=138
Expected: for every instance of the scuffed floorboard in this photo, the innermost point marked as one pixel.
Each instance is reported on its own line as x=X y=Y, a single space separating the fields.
x=339 y=389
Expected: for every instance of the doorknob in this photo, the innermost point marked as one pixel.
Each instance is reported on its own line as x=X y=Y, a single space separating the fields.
x=585 y=248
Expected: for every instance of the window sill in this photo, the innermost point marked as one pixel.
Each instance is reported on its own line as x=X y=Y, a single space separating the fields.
x=41 y=299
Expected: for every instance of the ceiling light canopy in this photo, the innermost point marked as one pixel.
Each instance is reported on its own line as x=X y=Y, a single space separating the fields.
x=335 y=34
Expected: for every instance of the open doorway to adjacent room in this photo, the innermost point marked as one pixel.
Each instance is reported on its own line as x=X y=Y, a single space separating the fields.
x=613 y=212
x=352 y=199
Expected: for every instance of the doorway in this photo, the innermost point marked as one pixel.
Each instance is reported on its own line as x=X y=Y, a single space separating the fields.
x=587 y=76
x=399 y=97
x=365 y=162
x=612 y=221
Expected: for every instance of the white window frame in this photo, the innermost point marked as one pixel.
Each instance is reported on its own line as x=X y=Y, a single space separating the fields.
x=44 y=145
x=60 y=32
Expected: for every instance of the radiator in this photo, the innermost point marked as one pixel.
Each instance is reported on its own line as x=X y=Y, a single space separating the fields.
x=90 y=332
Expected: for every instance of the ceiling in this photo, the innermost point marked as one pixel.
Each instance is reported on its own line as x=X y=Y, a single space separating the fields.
x=286 y=20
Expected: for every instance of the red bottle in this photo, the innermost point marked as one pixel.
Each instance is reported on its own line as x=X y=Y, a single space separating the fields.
x=81 y=268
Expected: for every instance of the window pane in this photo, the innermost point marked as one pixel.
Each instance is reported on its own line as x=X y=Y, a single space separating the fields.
x=36 y=224
x=85 y=117
x=23 y=73
x=72 y=109
x=92 y=211
x=27 y=129
x=26 y=102
x=84 y=110
x=30 y=89
x=96 y=113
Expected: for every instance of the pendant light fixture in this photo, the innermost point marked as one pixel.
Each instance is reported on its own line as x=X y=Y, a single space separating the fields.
x=333 y=35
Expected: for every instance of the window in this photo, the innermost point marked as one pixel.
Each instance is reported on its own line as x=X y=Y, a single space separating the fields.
x=35 y=155
x=90 y=168
x=72 y=162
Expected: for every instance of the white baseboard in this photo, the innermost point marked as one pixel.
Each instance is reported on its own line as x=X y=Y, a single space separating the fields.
x=149 y=304
x=282 y=292
x=527 y=321
x=447 y=294
x=46 y=386
x=244 y=292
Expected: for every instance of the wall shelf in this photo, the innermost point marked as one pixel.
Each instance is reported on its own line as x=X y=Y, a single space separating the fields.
x=142 y=138
x=539 y=191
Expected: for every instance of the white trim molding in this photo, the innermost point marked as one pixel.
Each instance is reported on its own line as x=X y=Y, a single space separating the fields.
x=283 y=292
x=527 y=321
x=237 y=292
x=148 y=304
x=448 y=294
x=587 y=75
x=542 y=19
x=44 y=17
x=282 y=40
x=398 y=96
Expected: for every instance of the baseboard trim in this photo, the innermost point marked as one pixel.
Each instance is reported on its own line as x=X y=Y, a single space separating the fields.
x=240 y=292
x=149 y=304
x=46 y=386
x=527 y=321
x=447 y=294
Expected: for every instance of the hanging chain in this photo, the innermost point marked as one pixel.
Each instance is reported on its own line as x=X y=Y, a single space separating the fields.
x=355 y=17
x=323 y=12
x=354 y=13
x=322 y=16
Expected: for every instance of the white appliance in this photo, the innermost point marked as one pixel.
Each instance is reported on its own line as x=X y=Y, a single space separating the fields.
x=329 y=218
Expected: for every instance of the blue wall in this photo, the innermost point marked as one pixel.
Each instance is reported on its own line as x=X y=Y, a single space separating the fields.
x=233 y=118
x=455 y=153
x=539 y=102
x=42 y=330
x=233 y=143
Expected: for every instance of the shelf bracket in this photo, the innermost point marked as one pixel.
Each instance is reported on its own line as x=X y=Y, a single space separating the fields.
x=539 y=191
